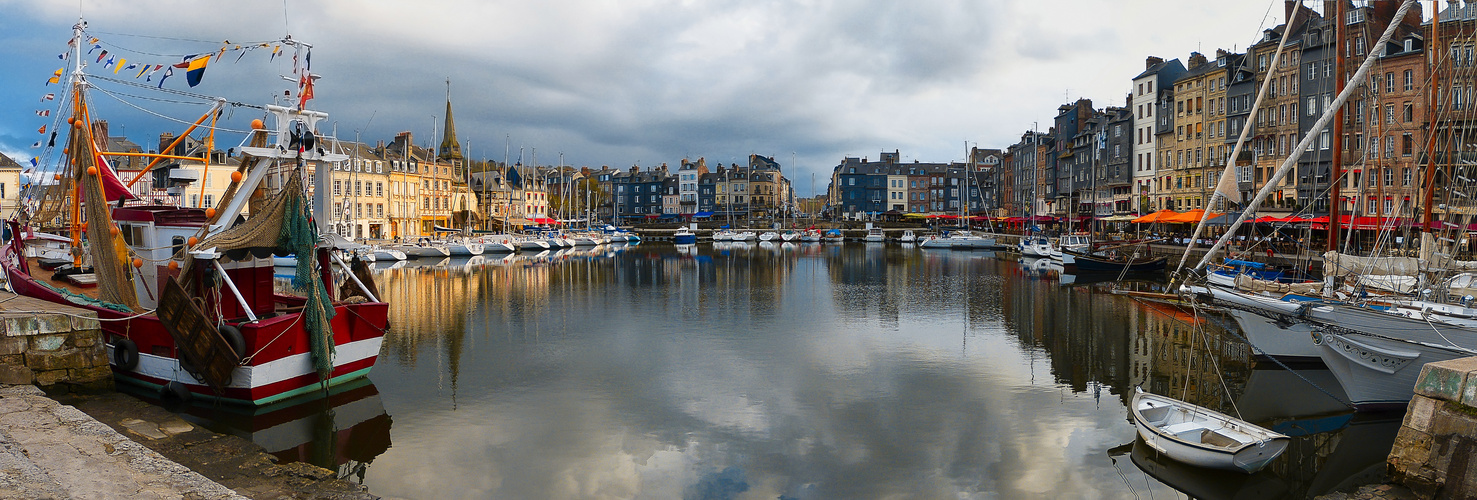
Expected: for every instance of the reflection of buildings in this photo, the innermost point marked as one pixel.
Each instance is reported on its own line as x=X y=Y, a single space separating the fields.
x=427 y=304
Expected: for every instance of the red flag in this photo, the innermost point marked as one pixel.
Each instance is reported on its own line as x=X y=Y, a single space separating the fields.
x=307 y=90
x=113 y=189
x=41 y=130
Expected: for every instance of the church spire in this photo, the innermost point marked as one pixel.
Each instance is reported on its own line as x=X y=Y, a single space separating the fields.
x=450 y=148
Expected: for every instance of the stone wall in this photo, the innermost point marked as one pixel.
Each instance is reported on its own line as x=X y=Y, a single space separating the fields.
x=51 y=345
x=1435 y=453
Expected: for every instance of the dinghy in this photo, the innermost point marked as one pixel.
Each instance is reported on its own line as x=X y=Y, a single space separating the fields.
x=1203 y=437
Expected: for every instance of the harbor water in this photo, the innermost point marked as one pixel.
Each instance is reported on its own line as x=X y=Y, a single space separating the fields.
x=763 y=370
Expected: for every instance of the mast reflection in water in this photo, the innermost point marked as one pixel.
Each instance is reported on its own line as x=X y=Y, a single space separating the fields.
x=808 y=371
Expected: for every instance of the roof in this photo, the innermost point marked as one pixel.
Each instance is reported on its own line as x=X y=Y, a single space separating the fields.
x=1155 y=69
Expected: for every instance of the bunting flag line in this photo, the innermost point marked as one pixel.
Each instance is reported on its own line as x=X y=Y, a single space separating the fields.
x=95 y=46
x=41 y=130
x=43 y=112
x=168 y=72
x=111 y=60
x=141 y=71
x=48 y=97
x=36 y=145
x=101 y=55
x=275 y=50
x=219 y=54
x=63 y=55
x=120 y=66
x=150 y=78
x=56 y=76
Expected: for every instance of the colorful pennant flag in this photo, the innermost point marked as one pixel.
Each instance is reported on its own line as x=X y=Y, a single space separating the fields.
x=95 y=46
x=41 y=130
x=34 y=160
x=101 y=55
x=56 y=77
x=48 y=97
x=111 y=60
x=119 y=66
x=168 y=72
x=195 y=70
x=141 y=71
x=36 y=145
x=43 y=112
x=63 y=56
x=275 y=50
x=150 y=78
x=130 y=67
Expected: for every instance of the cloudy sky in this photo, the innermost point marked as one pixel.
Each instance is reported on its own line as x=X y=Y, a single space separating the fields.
x=637 y=82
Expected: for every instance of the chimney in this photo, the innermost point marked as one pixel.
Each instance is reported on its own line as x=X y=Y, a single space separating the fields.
x=1151 y=61
x=100 y=129
x=164 y=140
x=1196 y=60
x=1219 y=53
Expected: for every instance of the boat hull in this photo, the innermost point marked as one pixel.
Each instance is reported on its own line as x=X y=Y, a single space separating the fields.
x=684 y=238
x=1204 y=438
x=276 y=366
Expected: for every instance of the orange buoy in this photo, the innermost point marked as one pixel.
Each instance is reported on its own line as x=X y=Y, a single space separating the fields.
x=235 y=176
x=91 y=170
x=257 y=124
x=137 y=262
x=210 y=212
x=71 y=119
x=173 y=266
x=77 y=124
x=56 y=177
x=194 y=240
x=113 y=230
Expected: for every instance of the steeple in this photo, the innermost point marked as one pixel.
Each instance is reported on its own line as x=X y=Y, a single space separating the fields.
x=450 y=148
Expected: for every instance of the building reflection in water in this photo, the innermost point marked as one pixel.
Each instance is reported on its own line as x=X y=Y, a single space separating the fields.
x=720 y=354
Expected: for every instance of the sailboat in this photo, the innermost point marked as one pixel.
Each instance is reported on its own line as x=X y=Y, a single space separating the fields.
x=1374 y=346
x=185 y=294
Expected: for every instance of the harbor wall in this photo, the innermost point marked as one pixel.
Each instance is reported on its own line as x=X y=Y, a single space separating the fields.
x=50 y=345
x=1435 y=452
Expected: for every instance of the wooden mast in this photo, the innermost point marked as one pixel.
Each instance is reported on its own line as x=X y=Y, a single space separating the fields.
x=1336 y=179
x=1428 y=176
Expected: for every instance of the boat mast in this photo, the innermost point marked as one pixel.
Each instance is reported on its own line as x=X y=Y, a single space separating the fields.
x=1336 y=180
x=1308 y=139
x=1428 y=177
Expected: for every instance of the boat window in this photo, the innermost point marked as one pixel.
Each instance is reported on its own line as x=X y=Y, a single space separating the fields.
x=178 y=242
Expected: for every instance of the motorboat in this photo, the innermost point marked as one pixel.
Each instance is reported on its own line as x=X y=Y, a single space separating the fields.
x=769 y=236
x=874 y=235
x=684 y=236
x=1202 y=437
x=908 y=238
x=811 y=236
x=1035 y=246
x=1114 y=263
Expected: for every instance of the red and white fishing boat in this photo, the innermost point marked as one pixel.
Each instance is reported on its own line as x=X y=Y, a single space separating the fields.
x=185 y=295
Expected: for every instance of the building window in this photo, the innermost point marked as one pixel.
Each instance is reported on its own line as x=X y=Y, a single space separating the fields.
x=1409 y=79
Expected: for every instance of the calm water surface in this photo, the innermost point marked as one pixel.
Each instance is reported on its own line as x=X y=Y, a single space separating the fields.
x=785 y=371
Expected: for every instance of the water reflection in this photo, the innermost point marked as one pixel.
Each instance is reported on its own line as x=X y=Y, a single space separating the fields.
x=813 y=371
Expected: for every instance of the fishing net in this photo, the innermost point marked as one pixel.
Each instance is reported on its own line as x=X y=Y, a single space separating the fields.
x=298 y=234
x=110 y=255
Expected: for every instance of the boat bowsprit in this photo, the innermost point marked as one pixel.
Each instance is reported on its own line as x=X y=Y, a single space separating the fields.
x=1203 y=437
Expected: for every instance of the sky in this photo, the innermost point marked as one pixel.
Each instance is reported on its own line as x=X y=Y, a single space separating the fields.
x=634 y=82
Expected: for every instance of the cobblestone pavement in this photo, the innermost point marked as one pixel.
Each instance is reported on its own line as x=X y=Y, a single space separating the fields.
x=49 y=450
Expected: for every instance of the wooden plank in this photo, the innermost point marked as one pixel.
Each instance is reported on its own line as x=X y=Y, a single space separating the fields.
x=196 y=337
x=83 y=280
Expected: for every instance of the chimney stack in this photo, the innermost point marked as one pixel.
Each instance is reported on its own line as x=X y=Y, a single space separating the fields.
x=1152 y=61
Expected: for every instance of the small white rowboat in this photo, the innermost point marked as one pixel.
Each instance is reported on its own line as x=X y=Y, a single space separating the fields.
x=1203 y=437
